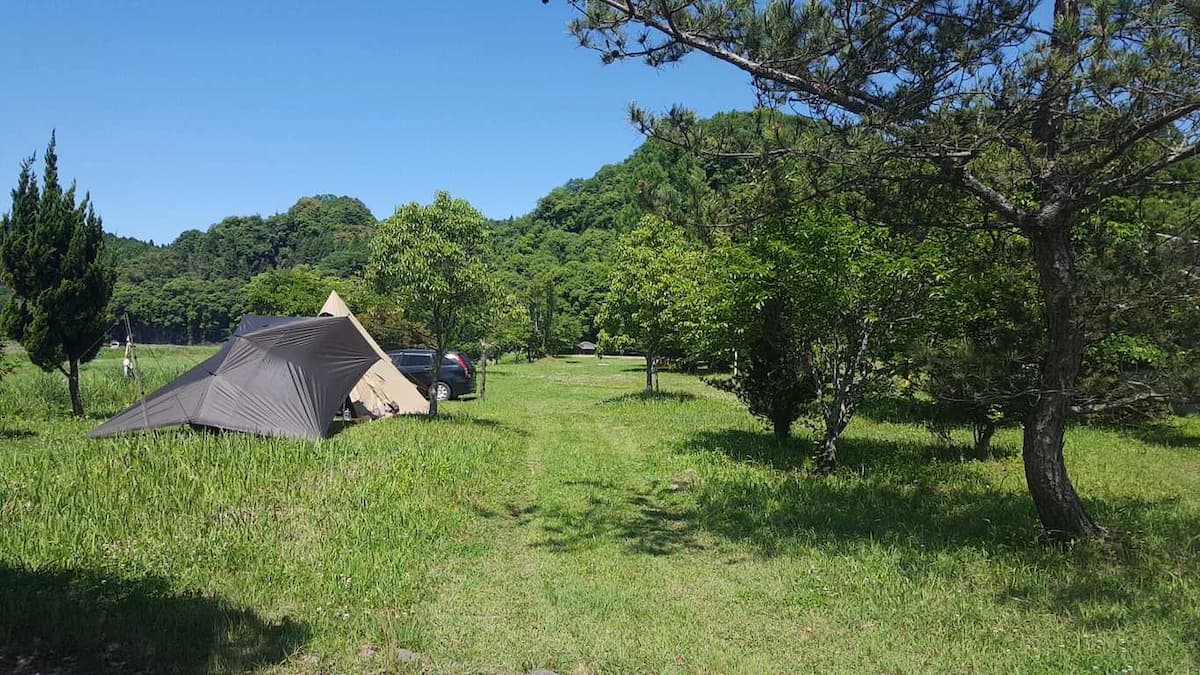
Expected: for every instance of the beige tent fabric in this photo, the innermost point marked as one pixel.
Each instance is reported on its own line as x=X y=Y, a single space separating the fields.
x=383 y=391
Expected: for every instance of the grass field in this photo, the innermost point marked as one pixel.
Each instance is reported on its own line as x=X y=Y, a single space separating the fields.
x=568 y=523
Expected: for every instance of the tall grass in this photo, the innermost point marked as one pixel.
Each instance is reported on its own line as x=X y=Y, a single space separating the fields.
x=568 y=523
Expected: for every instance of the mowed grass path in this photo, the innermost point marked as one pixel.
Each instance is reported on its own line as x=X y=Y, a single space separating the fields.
x=567 y=523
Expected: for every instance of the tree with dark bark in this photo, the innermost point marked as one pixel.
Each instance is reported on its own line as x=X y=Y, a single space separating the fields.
x=1038 y=118
x=1137 y=306
x=52 y=259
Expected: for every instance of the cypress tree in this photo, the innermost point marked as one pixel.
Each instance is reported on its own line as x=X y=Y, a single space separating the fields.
x=50 y=254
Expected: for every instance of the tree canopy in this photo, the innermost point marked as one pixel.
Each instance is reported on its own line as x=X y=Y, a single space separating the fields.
x=429 y=258
x=652 y=292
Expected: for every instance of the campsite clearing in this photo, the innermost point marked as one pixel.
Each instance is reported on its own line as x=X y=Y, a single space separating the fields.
x=569 y=523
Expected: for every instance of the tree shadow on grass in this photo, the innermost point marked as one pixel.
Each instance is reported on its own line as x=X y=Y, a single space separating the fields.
x=891 y=496
x=773 y=516
x=653 y=520
x=763 y=449
x=80 y=621
x=898 y=410
x=651 y=397
x=885 y=490
x=1168 y=435
x=466 y=422
x=13 y=434
x=752 y=448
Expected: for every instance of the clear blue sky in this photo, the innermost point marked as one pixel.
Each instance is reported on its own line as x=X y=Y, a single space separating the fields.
x=175 y=115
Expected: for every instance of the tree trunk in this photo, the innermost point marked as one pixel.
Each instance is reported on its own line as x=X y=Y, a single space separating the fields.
x=825 y=463
x=782 y=425
x=437 y=374
x=73 y=386
x=837 y=418
x=483 y=361
x=983 y=433
x=649 y=374
x=1059 y=508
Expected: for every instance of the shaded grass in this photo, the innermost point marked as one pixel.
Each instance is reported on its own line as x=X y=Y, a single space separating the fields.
x=651 y=397
x=540 y=528
x=130 y=624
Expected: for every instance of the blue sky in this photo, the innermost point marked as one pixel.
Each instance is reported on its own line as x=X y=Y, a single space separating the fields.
x=175 y=115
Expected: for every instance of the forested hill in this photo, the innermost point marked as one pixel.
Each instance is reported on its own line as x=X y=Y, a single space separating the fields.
x=556 y=259
x=326 y=230
x=552 y=262
x=191 y=289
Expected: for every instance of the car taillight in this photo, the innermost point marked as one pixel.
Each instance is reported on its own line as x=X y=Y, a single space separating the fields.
x=460 y=361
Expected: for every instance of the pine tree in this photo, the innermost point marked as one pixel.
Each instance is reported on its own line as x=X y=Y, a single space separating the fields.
x=1040 y=113
x=50 y=255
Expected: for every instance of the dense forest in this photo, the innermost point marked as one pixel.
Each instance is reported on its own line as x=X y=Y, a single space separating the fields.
x=552 y=265
x=193 y=289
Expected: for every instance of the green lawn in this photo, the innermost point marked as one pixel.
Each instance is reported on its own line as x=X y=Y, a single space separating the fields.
x=567 y=523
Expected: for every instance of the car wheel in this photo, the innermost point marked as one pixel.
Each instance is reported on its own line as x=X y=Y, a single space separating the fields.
x=441 y=391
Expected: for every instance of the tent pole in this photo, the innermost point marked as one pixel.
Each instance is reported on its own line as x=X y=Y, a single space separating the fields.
x=137 y=370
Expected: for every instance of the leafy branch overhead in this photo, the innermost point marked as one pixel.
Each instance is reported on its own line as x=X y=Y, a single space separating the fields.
x=1086 y=107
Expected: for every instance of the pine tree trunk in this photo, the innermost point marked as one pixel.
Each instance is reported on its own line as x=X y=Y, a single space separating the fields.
x=649 y=374
x=73 y=386
x=1061 y=512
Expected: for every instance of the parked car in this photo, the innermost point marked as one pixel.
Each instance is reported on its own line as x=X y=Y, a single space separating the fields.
x=457 y=376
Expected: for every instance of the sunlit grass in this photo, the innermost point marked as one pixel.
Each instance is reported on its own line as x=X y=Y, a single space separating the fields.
x=570 y=524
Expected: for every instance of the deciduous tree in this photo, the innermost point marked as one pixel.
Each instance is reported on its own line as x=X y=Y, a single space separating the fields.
x=429 y=257
x=652 y=291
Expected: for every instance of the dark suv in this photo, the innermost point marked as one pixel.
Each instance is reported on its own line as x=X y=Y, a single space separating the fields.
x=457 y=376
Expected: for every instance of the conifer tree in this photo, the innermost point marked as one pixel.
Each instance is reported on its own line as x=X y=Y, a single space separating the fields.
x=50 y=255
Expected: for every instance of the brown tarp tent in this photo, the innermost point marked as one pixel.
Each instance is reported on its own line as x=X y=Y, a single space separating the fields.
x=276 y=376
x=383 y=390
